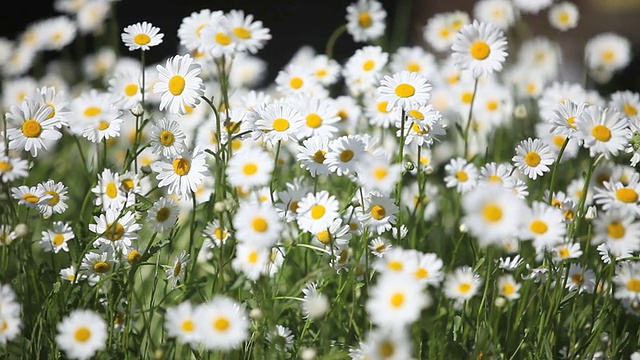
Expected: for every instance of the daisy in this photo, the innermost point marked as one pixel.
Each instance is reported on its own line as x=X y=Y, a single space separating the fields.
x=56 y=203
x=396 y=301
x=566 y=251
x=250 y=259
x=182 y=174
x=216 y=233
x=13 y=168
x=627 y=102
x=405 y=89
x=378 y=114
x=180 y=323
x=544 y=225
x=81 y=334
x=441 y=29
x=317 y=211
x=250 y=168
x=55 y=99
x=248 y=71
x=608 y=52
x=319 y=116
x=279 y=121
x=603 y=131
x=104 y=126
x=221 y=323
x=425 y=127
x=325 y=70
x=257 y=223
x=616 y=195
x=296 y=79
x=461 y=284
x=499 y=13
x=376 y=173
x=564 y=15
x=108 y=193
x=176 y=272
x=382 y=343
x=289 y=199
x=344 y=153
x=564 y=117
x=461 y=174
x=335 y=235
x=281 y=338
x=141 y=36
x=349 y=112
x=179 y=84
x=532 y=6
x=498 y=174
x=30 y=127
x=115 y=231
x=510 y=264
x=249 y=35
x=366 y=20
x=218 y=40
x=580 y=279
x=378 y=212
x=508 y=287
x=414 y=59
x=379 y=246
x=429 y=269
x=57 y=237
x=479 y=47
x=30 y=197
x=492 y=213
x=627 y=279
x=533 y=157
x=619 y=230
x=7 y=235
x=314 y=305
x=190 y=30
x=167 y=138
x=163 y=214
x=362 y=70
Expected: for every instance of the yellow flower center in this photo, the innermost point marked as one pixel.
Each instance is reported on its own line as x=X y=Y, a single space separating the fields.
x=630 y=110
x=296 y=82
x=532 y=159
x=54 y=199
x=221 y=324
x=467 y=97
x=508 y=289
x=166 y=138
x=223 y=39
x=368 y=65
x=387 y=349
x=5 y=166
x=563 y=17
x=314 y=121
x=114 y=232
x=92 y=111
x=241 y=32
x=250 y=169
x=633 y=285
x=317 y=211
x=134 y=256
x=397 y=300
x=416 y=114
x=58 y=239
x=577 y=279
x=82 y=334
x=181 y=166
x=558 y=140
x=627 y=195
x=416 y=128
x=253 y=257
x=103 y=125
x=421 y=273
x=318 y=156
x=280 y=124
x=163 y=214
x=563 y=253
x=260 y=224
x=141 y=39
x=492 y=212
x=405 y=90
x=380 y=173
x=176 y=85
x=30 y=198
x=495 y=179
x=220 y=233
x=346 y=155
x=364 y=19
x=608 y=56
x=492 y=105
x=395 y=265
x=131 y=89
x=101 y=267
x=413 y=67
x=462 y=176
x=464 y=288
x=324 y=237
x=378 y=212
x=382 y=107
x=444 y=33
x=111 y=190
x=188 y=325
x=31 y=128
x=601 y=133
x=616 y=230
x=480 y=50
x=538 y=227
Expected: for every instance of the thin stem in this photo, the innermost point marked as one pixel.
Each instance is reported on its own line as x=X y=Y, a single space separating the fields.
x=333 y=38
x=468 y=125
x=555 y=167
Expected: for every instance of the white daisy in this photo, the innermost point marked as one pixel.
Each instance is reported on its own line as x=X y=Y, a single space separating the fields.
x=533 y=157
x=179 y=84
x=249 y=35
x=250 y=168
x=461 y=174
x=564 y=15
x=396 y=301
x=182 y=174
x=257 y=223
x=317 y=211
x=115 y=231
x=221 y=323
x=544 y=225
x=163 y=214
x=251 y=259
x=81 y=334
x=180 y=322
x=407 y=90
x=30 y=127
x=378 y=212
x=461 y=284
x=141 y=36
x=366 y=20
x=480 y=47
x=57 y=237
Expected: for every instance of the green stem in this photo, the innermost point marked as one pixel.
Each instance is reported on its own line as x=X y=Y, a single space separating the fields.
x=555 y=167
x=333 y=38
x=468 y=125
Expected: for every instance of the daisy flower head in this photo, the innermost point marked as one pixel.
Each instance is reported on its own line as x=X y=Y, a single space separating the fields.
x=115 y=232
x=461 y=284
x=182 y=174
x=56 y=238
x=141 y=36
x=344 y=154
x=414 y=59
x=566 y=251
x=533 y=157
x=603 y=131
x=320 y=116
x=297 y=79
x=396 y=301
x=564 y=117
x=108 y=193
x=607 y=53
x=627 y=278
x=461 y=174
x=167 y=138
x=251 y=260
x=13 y=168
x=281 y=338
x=30 y=127
x=441 y=29
x=257 y=223
x=56 y=203
x=218 y=40
x=497 y=173
x=500 y=13
x=289 y=199
x=627 y=102
x=222 y=324
x=315 y=304
x=279 y=121
x=177 y=270
x=248 y=35
x=362 y=70
x=180 y=323
x=56 y=99
x=564 y=15
x=81 y=334
x=405 y=89
x=125 y=86
x=190 y=30
x=532 y=6
x=378 y=213
x=250 y=168
x=375 y=173
x=480 y=48
x=366 y=20
x=163 y=214
x=492 y=213
x=179 y=84
x=337 y=235
x=216 y=233
x=580 y=279
x=544 y=224
x=616 y=195
x=30 y=197
x=429 y=269
x=317 y=211
x=508 y=287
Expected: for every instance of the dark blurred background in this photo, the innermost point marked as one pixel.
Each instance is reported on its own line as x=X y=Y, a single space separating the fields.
x=295 y=23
